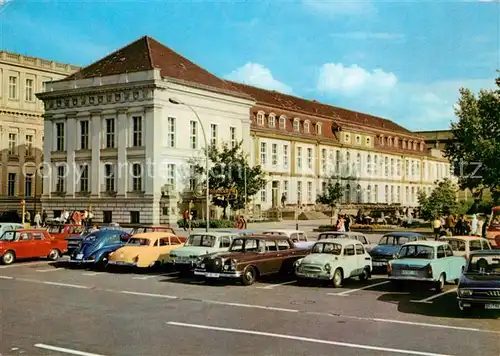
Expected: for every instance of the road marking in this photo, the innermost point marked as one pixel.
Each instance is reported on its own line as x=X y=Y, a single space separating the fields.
x=64 y=350
x=169 y=274
x=66 y=285
x=306 y=339
x=428 y=300
x=250 y=306
x=432 y=325
x=6 y=277
x=26 y=264
x=49 y=270
x=142 y=278
x=91 y=273
x=276 y=285
x=150 y=294
x=358 y=289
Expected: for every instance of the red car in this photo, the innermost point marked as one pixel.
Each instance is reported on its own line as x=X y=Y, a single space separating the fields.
x=61 y=232
x=29 y=243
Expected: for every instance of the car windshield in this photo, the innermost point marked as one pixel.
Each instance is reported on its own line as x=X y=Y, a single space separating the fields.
x=332 y=236
x=136 y=241
x=417 y=251
x=90 y=238
x=54 y=229
x=244 y=245
x=201 y=241
x=456 y=244
x=276 y=233
x=9 y=236
x=327 y=247
x=495 y=218
x=484 y=264
x=395 y=240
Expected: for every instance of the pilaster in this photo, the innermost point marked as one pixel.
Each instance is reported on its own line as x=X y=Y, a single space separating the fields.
x=293 y=153
x=71 y=142
x=123 y=167
x=95 y=171
x=256 y=150
x=318 y=161
x=152 y=123
x=47 y=171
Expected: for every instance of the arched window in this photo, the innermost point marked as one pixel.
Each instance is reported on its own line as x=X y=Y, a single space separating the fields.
x=404 y=144
x=381 y=140
x=260 y=118
x=396 y=142
x=306 y=126
x=296 y=125
x=392 y=194
x=392 y=167
x=359 y=194
x=282 y=122
x=369 y=194
x=386 y=166
x=369 y=168
x=375 y=193
x=407 y=195
x=347 y=193
x=386 y=193
x=348 y=163
x=271 y=120
x=375 y=165
x=358 y=163
x=318 y=128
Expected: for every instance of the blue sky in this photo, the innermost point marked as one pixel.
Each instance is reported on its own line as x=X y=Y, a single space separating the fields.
x=403 y=60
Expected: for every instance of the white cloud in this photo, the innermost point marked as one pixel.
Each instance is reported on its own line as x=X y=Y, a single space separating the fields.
x=340 y=7
x=257 y=75
x=370 y=36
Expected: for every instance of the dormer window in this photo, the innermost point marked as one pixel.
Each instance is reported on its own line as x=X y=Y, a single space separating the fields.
x=296 y=125
x=282 y=122
x=260 y=118
x=389 y=141
x=396 y=142
x=421 y=146
x=415 y=145
x=358 y=140
x=271 y=120
x=318 y=128
x=410 y=144
x=381 y=140
x=404 y=144
x=306 y=126
x=368 y=141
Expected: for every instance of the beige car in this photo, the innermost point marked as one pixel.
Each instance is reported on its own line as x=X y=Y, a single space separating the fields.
x=464 y=245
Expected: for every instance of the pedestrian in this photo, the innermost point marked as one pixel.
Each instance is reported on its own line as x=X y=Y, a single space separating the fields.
x=473 y=226
x=479 y=229
x=191 y=214
x=459 y=227
x=44 y=217
x=37 y=220
x=436 y=224
x=27 y=217
x=244 y=221
x=347 y=223
x=186 y=219
x=283 y=200
x=340 y=224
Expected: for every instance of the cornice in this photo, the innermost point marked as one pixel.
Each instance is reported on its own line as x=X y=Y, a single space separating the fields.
x=20 y=113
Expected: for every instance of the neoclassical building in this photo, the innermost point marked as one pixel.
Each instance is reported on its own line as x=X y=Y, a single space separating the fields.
x=121 y=134
x=21 y=126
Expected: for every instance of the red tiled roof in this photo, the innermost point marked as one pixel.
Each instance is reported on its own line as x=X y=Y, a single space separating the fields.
x=147 y=54
x=311 y=107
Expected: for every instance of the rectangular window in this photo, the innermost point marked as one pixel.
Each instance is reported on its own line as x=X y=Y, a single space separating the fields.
x=135 y=217
x=12 y=87
x=299 y=157
x=213 y=134
x=263 y=195
x=309 y=192
x=110 y=133
x=171 y=176
x=171 y=132
x=12 y=144
x=263 y=149
x=137 y=131
x=193 y=182
x=232 y=134
x=274 y=154
x=299 y=192
x=29 y=145
x=84 y=178
x=285 y=156
x=84 y=135
x=337 y=161
x=29 y=90
x=11 y=191
x=28 y=180
x=109 y=178
x=398 y=167
x=136 y=177
x=392 y=167
x=413 y=168
x=61 y=174
x=285 y=190
x=407 y=168
x=309 y=158
x=60 y=136
x=193 y=135
x=323 y=161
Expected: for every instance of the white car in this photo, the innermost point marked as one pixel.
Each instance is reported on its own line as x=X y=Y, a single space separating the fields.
x=335 y=260
x=348 y=235
x=464 y=245
x=298 y=237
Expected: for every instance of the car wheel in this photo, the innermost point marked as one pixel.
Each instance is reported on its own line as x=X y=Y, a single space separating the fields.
x=54 y=255
x=440 y=283
x=337 y=278
x=249 y=276
x=8 y=258
x=364 y=275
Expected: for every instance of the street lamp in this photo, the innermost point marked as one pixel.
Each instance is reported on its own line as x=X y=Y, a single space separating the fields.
x=207 y=158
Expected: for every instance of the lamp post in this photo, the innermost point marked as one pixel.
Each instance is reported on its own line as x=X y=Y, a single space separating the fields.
x=207 y=157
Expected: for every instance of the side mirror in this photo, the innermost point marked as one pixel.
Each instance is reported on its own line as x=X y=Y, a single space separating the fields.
x=395 y=256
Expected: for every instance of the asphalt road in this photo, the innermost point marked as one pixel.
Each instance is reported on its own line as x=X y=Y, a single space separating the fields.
x=48 y=309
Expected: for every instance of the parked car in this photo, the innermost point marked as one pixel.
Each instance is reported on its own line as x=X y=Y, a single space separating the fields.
x=479 y=285
x=348 y=235
x=96 y=247
x=464 y=245
x=74 y=242
x=197 y=246
x=251 y=257
x=389 y=245
x=63 y=231
x=335 y=260
x=298 y=237
x=135 y=229
x=493 y=228
x=238 y=232
x=146 y=250
x=29 y=243
x=431 y=262
x=4 y=226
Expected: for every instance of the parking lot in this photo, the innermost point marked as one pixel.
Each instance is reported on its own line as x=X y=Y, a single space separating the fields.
x=50 y=309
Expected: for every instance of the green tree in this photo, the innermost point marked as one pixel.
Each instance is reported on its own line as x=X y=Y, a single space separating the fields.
x=229 y=170
x=475 y=147
x=331 y=195
x=441 y=201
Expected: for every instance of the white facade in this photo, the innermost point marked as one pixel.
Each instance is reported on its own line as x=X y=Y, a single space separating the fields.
x=136 y=145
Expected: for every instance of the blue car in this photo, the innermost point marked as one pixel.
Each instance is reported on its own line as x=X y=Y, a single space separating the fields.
x=95 y=247
x=389 y=245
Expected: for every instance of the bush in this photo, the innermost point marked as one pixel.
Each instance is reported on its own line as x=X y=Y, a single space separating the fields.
x=214 y=224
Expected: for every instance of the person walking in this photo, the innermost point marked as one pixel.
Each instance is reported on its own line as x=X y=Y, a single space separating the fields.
x=186 y=219
x=44 y=217
x=37 y=220
x=347 y=223
x=436 y=225
x=473 y=225
x=479 y=229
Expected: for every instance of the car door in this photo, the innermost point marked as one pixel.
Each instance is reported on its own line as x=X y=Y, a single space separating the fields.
x=443 y=263
x=224 y=242
x=41 y=246
x=269 y=262
x=455 y=263
x=25 y=246
x=350 y=261
x=362 y=259
x=485 y=244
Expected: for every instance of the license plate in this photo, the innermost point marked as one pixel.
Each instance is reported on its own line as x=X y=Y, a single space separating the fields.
x=380 y=263
x=409 y=273
x=310 y=275
x=492 y=306
x=212 y=275
x=79 y=256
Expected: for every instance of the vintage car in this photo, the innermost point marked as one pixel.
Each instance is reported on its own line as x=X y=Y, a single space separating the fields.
x=348 y=235
x=335 y=260
x=197 y=246
x=389 y=245
x=74 y=242
x=4 y=226
x=298 y=237
x=479 y=285
x=251 y=257
x=431 y=262
x=237 y=232
x=134 y=229
x=493 y=228
x=146 y=250
x=96 y=247
x=464 y=245
x=29 y=243
x=63 y=231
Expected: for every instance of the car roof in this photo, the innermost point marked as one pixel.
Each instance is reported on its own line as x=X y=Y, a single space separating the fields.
x=284 y=231
x=154 y=235
x=212 y=233
x=403 y=234
x=27 y=230
x=107 y=232
x=462 y=238
x=427 y=243
x=342 y=242
x=265 y=237
x=348 y=233
x=236 y=231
